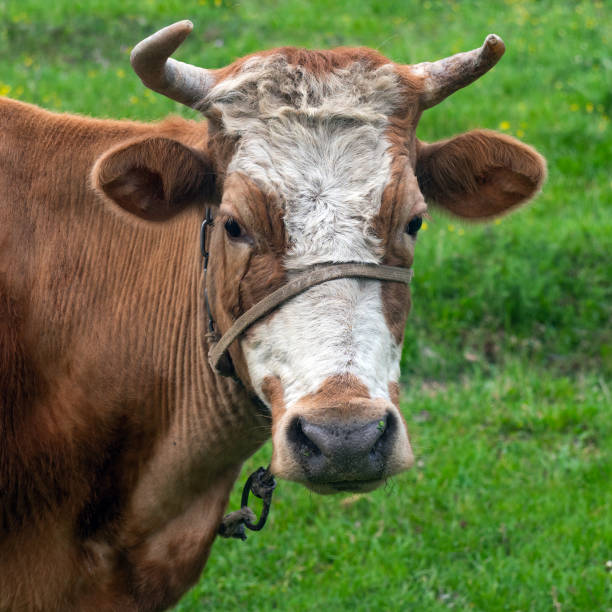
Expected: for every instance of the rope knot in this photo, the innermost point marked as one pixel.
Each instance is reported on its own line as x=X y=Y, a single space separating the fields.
x=262 y=484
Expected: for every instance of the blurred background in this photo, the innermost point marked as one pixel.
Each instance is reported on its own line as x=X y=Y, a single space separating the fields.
x=507 y=366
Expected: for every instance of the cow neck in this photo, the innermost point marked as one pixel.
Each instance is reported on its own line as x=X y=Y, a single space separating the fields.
x=197 y=409
x=218 y=354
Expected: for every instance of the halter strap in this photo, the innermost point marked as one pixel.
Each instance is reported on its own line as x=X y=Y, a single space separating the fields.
x=314 y=276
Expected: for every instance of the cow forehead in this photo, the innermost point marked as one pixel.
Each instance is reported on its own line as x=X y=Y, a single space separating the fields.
x=272 y=86
x=318 y=141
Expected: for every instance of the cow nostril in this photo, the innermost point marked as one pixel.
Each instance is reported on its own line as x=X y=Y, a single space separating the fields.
x=386 y=426
x=301 y=442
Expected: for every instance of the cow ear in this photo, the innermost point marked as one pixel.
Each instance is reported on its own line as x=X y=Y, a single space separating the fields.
x=479 y=174
x=154 y=178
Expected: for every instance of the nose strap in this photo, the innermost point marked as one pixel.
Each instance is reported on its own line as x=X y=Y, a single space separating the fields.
x=313 y=276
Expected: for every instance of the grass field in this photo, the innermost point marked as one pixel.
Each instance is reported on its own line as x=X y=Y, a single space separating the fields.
x=507 y=368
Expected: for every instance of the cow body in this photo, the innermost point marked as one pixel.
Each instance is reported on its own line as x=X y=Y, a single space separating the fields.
x=119 y=446
x=119 y=441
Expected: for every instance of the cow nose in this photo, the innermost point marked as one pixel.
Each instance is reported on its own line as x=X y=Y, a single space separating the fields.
x=342 y=452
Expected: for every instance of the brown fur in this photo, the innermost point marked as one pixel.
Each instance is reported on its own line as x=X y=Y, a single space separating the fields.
x=342 y=398
x=401 y=202
x=248 y=274
x=336 y=392
x=274 y=394
x=102 y=354
x=394 y=393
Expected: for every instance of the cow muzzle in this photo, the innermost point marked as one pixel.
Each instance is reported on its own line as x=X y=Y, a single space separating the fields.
x=352 y=448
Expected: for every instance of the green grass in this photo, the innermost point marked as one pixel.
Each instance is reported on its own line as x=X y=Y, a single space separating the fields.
x=510 y=500
x=508 y=356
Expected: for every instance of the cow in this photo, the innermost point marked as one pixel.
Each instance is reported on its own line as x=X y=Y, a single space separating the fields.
x=119 y=440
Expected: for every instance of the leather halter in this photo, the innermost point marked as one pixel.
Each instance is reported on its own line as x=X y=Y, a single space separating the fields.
x=218 y=355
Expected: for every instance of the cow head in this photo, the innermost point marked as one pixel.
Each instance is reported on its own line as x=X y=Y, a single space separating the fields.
x=316 y=161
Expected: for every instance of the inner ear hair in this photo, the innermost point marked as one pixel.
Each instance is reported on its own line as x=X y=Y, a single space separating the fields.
x=154 y=178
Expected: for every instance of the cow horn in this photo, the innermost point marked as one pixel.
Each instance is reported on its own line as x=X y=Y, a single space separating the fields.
x=444 y=77
x=151 y=61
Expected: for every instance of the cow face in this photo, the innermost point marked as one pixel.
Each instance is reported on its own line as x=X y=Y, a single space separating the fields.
x=317 y=162
x=310 y=182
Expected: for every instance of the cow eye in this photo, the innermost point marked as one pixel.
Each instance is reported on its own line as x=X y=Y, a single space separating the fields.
x=414 y=226
x=233 y=228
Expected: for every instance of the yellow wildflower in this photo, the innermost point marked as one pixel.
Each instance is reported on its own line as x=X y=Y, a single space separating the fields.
x=504 y=125
x=21 y=17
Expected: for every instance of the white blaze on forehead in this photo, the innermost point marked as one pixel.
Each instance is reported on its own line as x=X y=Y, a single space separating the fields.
x=329 y=178
x=319 y=144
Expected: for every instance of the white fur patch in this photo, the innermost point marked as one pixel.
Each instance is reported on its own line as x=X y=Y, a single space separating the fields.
x=319 y=144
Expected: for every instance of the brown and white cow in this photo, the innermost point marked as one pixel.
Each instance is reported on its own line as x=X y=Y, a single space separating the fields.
x=118 y=443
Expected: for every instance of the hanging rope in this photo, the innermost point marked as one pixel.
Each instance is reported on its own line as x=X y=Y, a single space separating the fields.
x=262 y=484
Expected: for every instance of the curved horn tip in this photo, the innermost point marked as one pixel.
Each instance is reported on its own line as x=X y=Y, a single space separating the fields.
x=494 y=44
x=186 y=25
x=176 y=32
x=169 y=38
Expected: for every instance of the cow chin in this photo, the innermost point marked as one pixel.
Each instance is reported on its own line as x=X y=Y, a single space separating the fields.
x=352 y=447
x=344 y=486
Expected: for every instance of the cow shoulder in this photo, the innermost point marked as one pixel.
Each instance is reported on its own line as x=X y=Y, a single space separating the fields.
x=479 y=174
